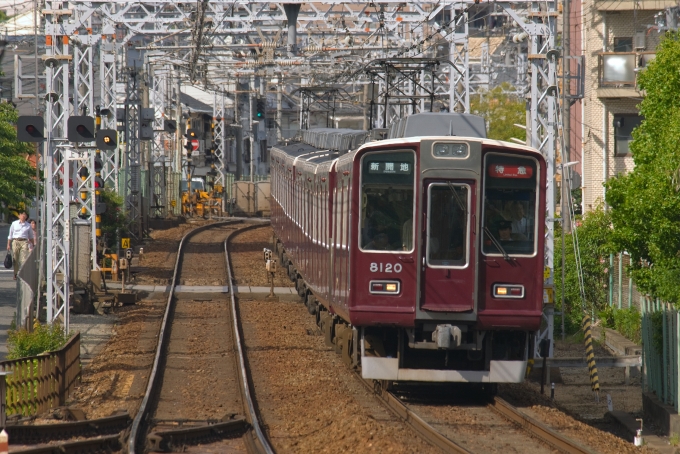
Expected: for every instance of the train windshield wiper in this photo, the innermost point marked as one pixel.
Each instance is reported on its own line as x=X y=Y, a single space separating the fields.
x=461 y=205
x=497 y=244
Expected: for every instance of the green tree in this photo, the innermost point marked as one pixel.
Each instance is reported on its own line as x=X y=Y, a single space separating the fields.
x=17 y=176
x=594 y=233
x=113 y=219
x=501 y=108
x=645 y=204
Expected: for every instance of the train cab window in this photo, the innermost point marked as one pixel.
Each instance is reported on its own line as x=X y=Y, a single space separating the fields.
x=510 y=205
x=386 y=221
x=447 y=225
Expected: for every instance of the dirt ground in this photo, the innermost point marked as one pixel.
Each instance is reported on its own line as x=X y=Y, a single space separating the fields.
x=576 y=411
x=116 y=378
x=309 y=400
x=296 y=376
x=247 y=258
x=160 y=253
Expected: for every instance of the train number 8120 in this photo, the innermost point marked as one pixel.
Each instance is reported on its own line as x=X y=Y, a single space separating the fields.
x=385 y=267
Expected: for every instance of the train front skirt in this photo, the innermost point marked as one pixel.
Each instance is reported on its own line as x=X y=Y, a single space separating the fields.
x=388 y=369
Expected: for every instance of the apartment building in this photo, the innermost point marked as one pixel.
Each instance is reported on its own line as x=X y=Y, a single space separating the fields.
x=619 y=39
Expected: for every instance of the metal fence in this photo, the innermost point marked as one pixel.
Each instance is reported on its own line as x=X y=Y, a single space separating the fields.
x=39 y=383
x=623 y=292
x=661 y=352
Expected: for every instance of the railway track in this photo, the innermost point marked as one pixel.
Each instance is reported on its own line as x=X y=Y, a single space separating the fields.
x=163 y=421
x=473 y=433
x=529 y=434
x=159 y=427
x=199 y=341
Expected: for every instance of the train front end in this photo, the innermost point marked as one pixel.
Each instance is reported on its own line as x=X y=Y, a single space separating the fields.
x=448 y=276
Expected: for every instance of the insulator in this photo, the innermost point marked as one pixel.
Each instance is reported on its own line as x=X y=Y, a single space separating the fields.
x=313 y=48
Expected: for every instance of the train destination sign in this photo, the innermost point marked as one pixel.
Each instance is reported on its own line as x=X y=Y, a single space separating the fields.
x=393 y=168
x=510 y=171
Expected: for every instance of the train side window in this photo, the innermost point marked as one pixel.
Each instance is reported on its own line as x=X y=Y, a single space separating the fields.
x=336 y=211
x=387 y=204
x=510 y=204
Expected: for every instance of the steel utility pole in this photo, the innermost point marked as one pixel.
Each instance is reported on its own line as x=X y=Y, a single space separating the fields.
x=566 y=109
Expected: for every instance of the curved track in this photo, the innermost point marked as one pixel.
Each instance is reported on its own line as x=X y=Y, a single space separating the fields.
x=465 y=428
x=191 y=324
x=468 y=423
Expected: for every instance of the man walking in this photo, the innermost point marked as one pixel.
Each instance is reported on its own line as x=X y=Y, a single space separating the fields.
x=19 y=239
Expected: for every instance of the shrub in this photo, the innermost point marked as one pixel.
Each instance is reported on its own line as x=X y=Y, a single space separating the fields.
x=594 y=231
x=44 y=338
x=627 y=322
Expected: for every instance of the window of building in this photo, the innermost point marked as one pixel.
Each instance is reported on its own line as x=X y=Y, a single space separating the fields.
x=623 y=132
x=623 y=44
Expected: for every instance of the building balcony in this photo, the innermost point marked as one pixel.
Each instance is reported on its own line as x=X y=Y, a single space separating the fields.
x=617 y=73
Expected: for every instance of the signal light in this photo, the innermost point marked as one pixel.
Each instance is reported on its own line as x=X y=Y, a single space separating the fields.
x=191 y=134
x=83 y=173
x=260 y=109
x=99 y=204
x=98 y=164
x=30 y=128
x=80 y=129
x=107 y=139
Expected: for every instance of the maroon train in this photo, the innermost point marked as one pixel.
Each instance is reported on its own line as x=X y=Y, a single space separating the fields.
x=421 y=255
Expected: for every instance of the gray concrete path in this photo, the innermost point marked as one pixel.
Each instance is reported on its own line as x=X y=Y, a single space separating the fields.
x=8 y=294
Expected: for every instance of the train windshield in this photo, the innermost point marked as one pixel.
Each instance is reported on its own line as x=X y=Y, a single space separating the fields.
x=387 y=182
x=510 y=200
x=447 y=225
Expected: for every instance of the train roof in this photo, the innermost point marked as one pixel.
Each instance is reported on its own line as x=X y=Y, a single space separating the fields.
x=323 y=145
x=439 y=124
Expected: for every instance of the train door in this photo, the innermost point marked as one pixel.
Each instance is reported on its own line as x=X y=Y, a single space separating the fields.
x=448 y=254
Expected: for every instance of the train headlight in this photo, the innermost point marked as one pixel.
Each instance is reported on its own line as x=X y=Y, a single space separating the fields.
x=451 y=150
x=384 y=287
x=508 y=291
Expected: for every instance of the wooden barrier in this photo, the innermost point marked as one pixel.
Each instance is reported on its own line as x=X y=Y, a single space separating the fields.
x=38 y=383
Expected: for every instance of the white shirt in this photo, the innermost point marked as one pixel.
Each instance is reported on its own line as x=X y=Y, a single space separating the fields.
x=20 y=229
x=520 y=226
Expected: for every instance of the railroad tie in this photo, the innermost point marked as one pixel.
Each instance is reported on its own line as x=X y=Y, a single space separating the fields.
x=590 y=355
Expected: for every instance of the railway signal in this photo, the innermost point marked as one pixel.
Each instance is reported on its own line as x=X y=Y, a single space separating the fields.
x=209 y=156
x=80 y=128
x=107 y=139
x=30 y=128
x=170 y=126
x=146 y=123
x=83 y=173
x=260 y=109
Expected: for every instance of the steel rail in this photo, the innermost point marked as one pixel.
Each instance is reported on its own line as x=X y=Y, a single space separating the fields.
x=538 y=429
x=163 y=340
x=261 y=442
x=31 y=434
x=418 y=424
x=415 y=422
x=110 y=443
